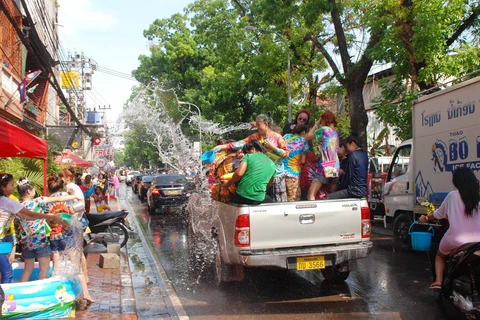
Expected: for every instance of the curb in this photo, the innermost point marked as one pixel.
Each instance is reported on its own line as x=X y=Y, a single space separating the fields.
x=173 y=305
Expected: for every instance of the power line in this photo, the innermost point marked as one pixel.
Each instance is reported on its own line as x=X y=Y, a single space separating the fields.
x=104 y=100
x=116 y=73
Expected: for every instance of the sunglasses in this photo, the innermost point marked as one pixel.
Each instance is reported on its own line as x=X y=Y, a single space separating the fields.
x=302 y=119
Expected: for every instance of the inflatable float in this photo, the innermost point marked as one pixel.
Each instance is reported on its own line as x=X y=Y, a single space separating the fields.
x=51 y=298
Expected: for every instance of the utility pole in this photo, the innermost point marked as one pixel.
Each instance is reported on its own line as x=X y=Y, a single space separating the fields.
x=84 y=67
x=79 y=79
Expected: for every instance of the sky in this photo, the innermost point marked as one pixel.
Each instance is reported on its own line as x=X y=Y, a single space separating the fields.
x=111 y=33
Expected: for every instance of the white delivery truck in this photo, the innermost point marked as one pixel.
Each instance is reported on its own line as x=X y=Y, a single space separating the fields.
x=446 y=135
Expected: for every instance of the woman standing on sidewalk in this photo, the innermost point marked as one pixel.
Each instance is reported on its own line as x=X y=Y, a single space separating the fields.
x=115 y=186
x=10 y=208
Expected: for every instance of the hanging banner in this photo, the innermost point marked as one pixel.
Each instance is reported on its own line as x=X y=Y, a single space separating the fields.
x=70 y=79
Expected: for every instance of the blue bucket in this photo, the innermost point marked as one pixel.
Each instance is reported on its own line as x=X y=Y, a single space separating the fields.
x=421 y=241
x=208 y=157
x=6 y=247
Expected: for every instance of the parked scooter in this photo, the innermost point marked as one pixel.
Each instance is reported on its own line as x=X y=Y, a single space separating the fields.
x=461 y=280
x=108 y=227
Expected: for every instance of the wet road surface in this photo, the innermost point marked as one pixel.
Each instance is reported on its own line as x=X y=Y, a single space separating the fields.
x=388 y=284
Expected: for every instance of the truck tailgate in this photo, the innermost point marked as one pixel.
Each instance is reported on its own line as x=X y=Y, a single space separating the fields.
x=294 y=224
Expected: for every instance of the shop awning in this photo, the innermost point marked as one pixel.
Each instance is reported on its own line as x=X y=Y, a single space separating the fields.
x=69 y=158
x=16 y=142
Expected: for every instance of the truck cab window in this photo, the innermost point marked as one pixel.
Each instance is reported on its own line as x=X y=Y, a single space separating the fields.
x=400 y=162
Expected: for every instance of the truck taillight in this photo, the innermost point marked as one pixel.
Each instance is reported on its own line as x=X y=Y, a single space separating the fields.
x=366 y=223
x=155 y=191
x=242 y=231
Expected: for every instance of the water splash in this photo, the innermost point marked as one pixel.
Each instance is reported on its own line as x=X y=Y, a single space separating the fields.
x=68 y=264
x=164 y=117
x=161 y=113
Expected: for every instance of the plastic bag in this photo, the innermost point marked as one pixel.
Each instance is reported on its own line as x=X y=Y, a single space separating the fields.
x=329 y=169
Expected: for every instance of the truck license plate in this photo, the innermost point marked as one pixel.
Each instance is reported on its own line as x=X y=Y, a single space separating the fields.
x=173 y=192
x=311 y=263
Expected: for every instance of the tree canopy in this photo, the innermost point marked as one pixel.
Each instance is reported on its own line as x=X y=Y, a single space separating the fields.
x=208 y=58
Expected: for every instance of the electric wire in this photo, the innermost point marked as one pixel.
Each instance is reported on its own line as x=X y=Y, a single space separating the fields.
x=104 y=100
x=116 y=74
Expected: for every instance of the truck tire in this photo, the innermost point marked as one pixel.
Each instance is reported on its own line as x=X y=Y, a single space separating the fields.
x=334 y=275
x=400 y=232
x=225 y=273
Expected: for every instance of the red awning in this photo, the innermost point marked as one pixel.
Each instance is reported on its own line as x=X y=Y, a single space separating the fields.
x=69 y=158
x=16 y=142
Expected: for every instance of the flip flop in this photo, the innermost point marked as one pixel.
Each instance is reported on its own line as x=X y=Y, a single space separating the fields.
x=434 y=287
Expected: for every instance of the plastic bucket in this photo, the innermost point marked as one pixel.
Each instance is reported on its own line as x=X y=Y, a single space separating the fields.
x=208 y=157
x=66 y=217
x=5 y=247
x=421 y=241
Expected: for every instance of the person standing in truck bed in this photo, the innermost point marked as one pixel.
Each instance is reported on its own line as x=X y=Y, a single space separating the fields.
x=354 y=181
x=255 y=172
x=297 y=148
x=276 y=149
x=324 y=132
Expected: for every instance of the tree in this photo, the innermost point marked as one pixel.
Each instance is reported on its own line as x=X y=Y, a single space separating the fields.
x=229 y=74
x=337 y=30
x=138 y=151
x=422 y=35
x=427 y=42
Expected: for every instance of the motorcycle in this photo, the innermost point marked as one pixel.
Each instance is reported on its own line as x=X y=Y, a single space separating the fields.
x=108 y=227
x=461 y=280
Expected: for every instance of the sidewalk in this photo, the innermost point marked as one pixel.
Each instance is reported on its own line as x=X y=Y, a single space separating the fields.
x=111 y=289
x=134 y=291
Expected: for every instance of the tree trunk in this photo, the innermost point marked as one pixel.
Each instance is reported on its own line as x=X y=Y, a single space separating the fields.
x=313 y=92
x=358 y=115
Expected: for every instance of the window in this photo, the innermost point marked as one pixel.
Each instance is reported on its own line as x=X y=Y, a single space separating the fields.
x=400 y=162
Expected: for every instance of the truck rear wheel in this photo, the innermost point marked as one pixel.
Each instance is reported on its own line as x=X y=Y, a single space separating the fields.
x=400 y=231
x=226 y=272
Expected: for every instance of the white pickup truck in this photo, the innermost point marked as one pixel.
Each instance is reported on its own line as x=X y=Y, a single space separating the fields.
x=327 y=235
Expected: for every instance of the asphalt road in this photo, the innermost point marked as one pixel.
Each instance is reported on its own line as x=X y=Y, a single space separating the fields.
x=389 y=284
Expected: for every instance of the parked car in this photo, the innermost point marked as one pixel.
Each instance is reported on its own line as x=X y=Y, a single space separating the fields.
x=121 y=175
x=167 y=189
x=130 y=174
x=143 y=186
x=136 y=181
